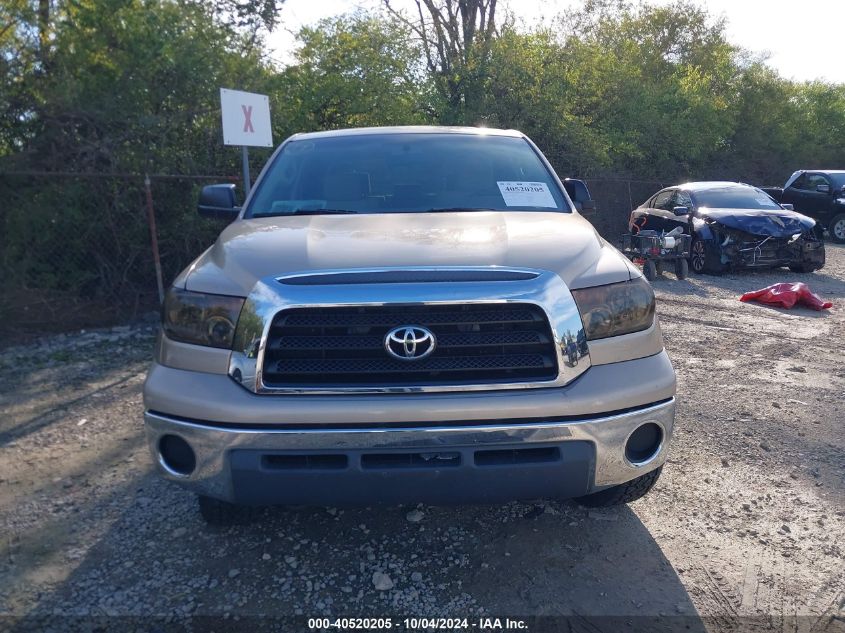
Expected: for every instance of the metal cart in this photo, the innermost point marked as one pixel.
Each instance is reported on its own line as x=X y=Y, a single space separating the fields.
x=653 y=248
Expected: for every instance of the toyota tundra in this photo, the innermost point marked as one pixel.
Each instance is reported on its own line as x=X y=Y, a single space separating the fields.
x=410 y=314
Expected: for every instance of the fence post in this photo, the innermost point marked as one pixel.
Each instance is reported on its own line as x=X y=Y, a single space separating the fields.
x=151 y=219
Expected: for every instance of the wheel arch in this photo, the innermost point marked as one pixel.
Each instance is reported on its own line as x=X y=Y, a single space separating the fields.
x=702 y=231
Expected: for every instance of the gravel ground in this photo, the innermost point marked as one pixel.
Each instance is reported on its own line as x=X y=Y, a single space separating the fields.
x=748 y=518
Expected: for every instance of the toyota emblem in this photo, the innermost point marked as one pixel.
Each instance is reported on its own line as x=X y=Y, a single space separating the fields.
x=410 y=342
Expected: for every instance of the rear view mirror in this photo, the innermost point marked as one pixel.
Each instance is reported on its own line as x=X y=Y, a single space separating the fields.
x=218 y=202
x=681 y=210
x=588 y=205
x=824 y=188
x=787 y=206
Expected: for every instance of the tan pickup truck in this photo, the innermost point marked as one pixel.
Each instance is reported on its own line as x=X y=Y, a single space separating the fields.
x=413 y=314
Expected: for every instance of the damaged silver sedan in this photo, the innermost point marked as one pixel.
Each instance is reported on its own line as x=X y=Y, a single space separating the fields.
x=733 y=225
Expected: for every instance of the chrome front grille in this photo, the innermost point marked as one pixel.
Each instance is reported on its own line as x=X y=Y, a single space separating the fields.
x=324 y=332
x=477 y=343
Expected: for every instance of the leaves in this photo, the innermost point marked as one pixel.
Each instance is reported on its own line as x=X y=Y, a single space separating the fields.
x=353 y=71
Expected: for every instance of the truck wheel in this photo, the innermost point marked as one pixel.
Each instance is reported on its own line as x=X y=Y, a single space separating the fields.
x=649 y=270
x=836 y=228
x=681 y=268
x=623 y=493
x=222 y=513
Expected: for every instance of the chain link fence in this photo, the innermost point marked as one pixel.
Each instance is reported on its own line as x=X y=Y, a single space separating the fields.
x=76 y=249
x=615 y=198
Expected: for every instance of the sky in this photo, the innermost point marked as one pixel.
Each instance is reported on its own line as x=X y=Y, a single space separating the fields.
x=804 y=41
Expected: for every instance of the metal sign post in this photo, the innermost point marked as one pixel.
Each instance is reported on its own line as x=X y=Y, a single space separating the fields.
x=246 y=122
x=247 y=181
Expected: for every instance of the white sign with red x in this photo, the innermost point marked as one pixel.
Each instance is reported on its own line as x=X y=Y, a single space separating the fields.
x=246 y=118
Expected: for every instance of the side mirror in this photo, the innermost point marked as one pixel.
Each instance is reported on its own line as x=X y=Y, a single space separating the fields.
x=681 y=210
x=823 y=188
x=579 y=194
x=787 y=206
x=218 y=202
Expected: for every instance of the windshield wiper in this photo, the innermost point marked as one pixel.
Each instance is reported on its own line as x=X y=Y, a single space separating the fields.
x=456 y=209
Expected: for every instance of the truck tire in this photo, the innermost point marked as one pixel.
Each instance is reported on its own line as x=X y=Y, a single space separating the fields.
x=222 y=513
x=681 y=268
x=623 y=493
x=649 y=270
x=836 y=228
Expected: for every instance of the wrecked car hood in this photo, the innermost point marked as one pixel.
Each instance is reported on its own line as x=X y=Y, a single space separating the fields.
x=759 y=221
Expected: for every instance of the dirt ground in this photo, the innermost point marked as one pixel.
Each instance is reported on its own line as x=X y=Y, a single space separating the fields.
x=745 y=529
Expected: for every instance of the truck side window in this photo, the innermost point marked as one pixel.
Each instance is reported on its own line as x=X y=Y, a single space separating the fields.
x=813 y=180
x=809 y=182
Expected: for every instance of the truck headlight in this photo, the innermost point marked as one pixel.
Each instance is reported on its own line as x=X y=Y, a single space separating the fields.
x=201 y=319
x=616 y=309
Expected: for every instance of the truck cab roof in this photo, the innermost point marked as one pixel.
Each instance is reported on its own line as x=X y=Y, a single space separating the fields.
x=408 y=129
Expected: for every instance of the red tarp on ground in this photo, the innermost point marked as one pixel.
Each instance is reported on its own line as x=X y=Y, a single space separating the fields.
x=787 y=295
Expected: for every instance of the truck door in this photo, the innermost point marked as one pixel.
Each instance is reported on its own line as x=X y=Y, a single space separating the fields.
x=811 y=194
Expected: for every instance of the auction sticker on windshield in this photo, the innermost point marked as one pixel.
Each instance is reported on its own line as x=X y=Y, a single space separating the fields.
x=526 y=194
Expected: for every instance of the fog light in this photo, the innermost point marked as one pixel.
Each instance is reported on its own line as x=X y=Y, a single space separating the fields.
x=644 y=443
x=176 y=455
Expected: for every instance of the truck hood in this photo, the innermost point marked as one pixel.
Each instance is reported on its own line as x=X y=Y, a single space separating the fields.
x=248 y=250
x=781 y=223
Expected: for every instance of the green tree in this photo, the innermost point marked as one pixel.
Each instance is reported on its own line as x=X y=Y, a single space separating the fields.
x=539 y=86
x=640 y=91
x=132 y=86
x=352 y=71
x=456 y=37
x=666 y=85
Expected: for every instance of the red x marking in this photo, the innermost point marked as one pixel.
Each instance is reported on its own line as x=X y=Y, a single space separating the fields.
x=247 y=118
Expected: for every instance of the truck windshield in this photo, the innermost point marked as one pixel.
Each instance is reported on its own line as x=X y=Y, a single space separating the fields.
x=735 y=198
x=402 y=173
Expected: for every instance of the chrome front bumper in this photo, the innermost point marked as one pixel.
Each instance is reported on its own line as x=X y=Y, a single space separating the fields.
x=218 y=447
